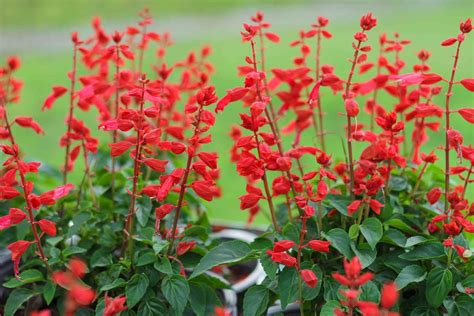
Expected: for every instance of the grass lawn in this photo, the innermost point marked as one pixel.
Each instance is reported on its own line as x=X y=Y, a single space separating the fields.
x=425 y=26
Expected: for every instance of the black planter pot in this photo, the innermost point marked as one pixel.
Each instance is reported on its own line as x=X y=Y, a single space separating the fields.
x=253 y=271
x=6 y=272
x=228 y=296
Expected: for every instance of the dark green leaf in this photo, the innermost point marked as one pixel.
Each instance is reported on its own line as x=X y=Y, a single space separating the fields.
x=269 y=266
x=115 y=284
x=288 y=286
x=339 y=202
x=202 y=299
x=431 y=250
x=159 y=245
x=331 y=290
x=101 y=258
x=16 y=299
x=73 y=250
x=176 y=291
x=291 y=232
x=394 y=237
x=462 y=305
x=365 y=254
x=340 y=240
x=256 y=300
x=370 y=293
x=135 y=289
x=27 y=276
x=164 y=266
x=372 y=230
x=438 y=284
x=401 y=225
x=143 y=211
x=152 y=307
x=415 y=240
x=411 y=274
x=225 y=253
x=329 y=307
x=49 y=290
x=397 y=183
x=146 y=257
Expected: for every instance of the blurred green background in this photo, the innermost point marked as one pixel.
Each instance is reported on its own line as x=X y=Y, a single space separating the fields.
x=38 y=31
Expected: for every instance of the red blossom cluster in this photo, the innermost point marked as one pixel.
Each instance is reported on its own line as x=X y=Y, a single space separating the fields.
x=15 y=181
x=78 y=294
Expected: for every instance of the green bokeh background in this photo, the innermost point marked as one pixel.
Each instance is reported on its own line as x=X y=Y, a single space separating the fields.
x=426 y=23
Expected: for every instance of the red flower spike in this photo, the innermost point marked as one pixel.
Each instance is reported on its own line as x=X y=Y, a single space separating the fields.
x=185 y=246
x=467 y=114
x=389 y=295
x=78 y=268
x=319 y=245
x=17 y=249
x=433 y=195
x=367 y=22
x=58 y=91
x=25 y=121
x=283 y=245
x=48 y=227
x=468 y=84
x=119 y=148
x=309 y=278
x=113 y=306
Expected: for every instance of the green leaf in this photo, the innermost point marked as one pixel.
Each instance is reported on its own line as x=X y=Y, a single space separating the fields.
x=135 y=289
x=354 y=231
x=329 y=307
x=331 y=290
x=394 y=237
x=411 y=274
x=438 y=284
x=202 y=299
x=228 y=252
x=462 y=305
x=146 y=257
x=401 y=225
x=269 y=266
x=164 y=266
x=152 y=307
x=291 y=232
x=73 y=250
x=431 y=250
x=415 y=240
x=365 y=254
x=339 y=202
x=16 y=299
x=256 y=300
x=144 y=207
x=49 y=290
x=340 y=240
x=101 y=258
x=397 y=183
x=27 y=276
x=115 y=284
x=176 y=291
x=287 y=286
x=159 y=245
x=372 y=230
x=370 y=293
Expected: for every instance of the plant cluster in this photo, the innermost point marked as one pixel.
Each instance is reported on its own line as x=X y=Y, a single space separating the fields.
x=382 y=232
